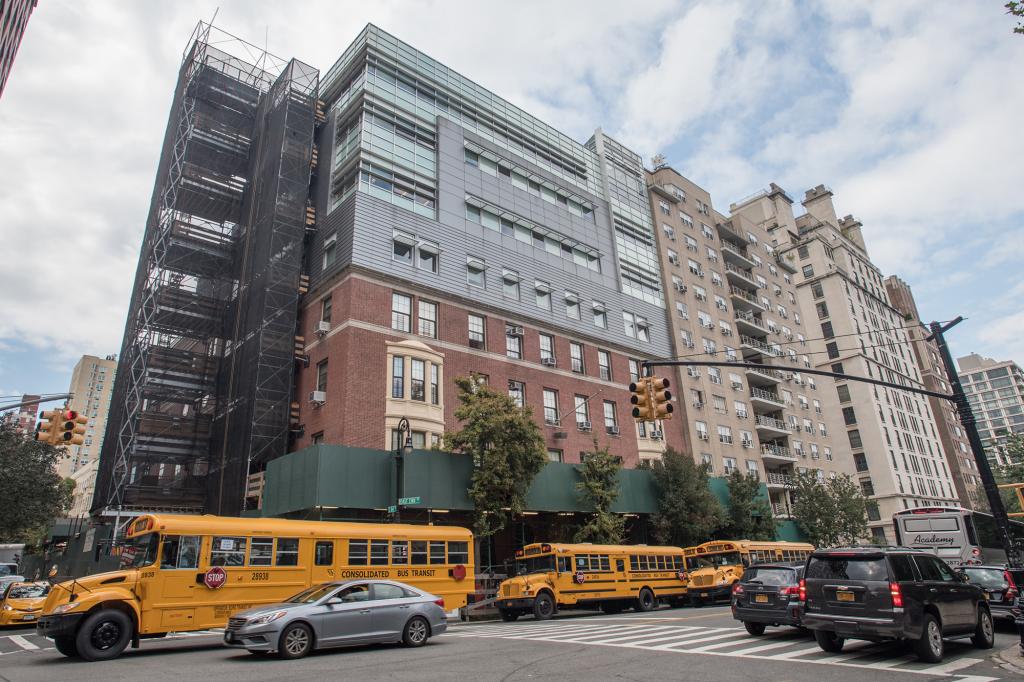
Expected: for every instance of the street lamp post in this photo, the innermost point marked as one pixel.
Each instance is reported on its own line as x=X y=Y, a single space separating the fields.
x=402 y=450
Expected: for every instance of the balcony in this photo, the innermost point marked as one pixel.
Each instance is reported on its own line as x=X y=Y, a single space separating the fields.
x=777 y=480
x=776 y=453
x=744 y=300
x=736 y=253
x=754 y=346
x=750 y=323
x=781 y=511
x=770 y=425
x=742 y=277
x=769 y=399
x=763 y=377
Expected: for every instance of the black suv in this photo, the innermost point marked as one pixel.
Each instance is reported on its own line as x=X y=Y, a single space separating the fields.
x=998 y=583
x=894 y=593
x=768 y=594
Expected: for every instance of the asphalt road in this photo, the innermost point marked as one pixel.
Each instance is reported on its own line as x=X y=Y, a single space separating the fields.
x=671 y=644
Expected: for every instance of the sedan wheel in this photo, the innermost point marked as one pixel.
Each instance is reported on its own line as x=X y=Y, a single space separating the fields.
x=296 y=641
x=416 y=632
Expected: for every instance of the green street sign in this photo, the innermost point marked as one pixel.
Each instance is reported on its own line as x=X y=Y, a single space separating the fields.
x=392 y=509
x=409 y=500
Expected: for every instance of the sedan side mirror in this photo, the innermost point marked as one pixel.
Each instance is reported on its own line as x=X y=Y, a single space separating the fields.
x=335 y=600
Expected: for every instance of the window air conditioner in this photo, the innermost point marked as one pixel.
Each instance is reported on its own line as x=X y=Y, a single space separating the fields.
x=322 y=327
x=514 y=331
x=613 y=430
x=318 y=397
x=548 y=362
x=657 y=435
x=583 y=426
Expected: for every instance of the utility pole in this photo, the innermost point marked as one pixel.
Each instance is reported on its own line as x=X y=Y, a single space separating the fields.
x=988 y=480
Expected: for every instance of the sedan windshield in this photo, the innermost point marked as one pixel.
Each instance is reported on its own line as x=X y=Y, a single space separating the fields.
x=140 y=551
x=315 y=593
x=716 y=560
x=987 y=578
x=535 y=564
x=28 y=591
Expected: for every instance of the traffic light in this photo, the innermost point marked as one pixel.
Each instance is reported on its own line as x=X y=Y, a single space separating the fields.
x=71 y=428
x=643 y=405
x=660 y=395
x=46 y=429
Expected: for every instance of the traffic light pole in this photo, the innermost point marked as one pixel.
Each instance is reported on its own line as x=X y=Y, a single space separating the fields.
x=988 y=479
x=1013 y=557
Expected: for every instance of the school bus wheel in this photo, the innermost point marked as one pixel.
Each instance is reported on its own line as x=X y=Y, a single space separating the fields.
x=65 y=644
x=645 y=601
x=104 y=634
x=543 y=606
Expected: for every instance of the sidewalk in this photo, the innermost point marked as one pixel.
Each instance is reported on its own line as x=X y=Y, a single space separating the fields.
x=1009 y=658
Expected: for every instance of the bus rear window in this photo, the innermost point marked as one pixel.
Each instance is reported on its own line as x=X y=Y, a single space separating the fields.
x=847 y=568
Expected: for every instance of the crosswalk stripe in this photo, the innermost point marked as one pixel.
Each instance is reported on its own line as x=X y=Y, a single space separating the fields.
x=556 y=637
x=664 y=629
x=764 y=647
x=793 y=654
x=726 y=645
x=22 y=642
x=675 y=636
x=636 y=632
x=890 y=663
x=688 y=642
x=954 y=665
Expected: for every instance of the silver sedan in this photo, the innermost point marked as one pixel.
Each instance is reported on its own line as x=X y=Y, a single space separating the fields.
x=343 y=613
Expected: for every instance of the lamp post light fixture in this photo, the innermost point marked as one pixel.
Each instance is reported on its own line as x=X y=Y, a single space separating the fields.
x=403 y=450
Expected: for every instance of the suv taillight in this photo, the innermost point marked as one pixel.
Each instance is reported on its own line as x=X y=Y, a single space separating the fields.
x=1011 y=591
x=737 y=589
x=897 y=596
x=792 y=589
x=802 y=590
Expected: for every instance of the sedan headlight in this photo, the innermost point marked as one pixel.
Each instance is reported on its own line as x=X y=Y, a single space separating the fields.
x=266 y=618
x=64 y=608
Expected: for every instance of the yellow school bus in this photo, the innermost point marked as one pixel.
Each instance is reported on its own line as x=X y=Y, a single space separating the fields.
x=181 y=573
x=718 y=565
x=555 y=576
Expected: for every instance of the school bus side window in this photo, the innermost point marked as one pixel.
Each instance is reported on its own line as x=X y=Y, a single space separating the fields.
x=288 y=552
x=357 y=552
x=378 y=552
x=565 y=564
x=458 y=552
x=400 y=552
x=227 y=551
x=261 y=551
x=419 y=553
x=582 y=562
x=620 y=565
x=323 y=553
x=437 y=551
x=634 y=562
x=604 y=562
x=179 y=551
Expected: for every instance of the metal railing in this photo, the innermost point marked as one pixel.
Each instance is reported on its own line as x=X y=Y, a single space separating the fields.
x=742 y=272
x=780 y=510
x=750 y=318
x=756 y=392
x=760 y=345
x=771 y=373
x=770 y=421
x=776 y=451
x=745 y=295
x=779 y=479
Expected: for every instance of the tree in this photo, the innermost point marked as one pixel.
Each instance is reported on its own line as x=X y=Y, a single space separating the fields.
x=749 y=516
x=1016 y=8
x=831 y=513
x=33 y=492
x=600 y=487
x=1012 y=472
x=507 y=449
x=688 y=512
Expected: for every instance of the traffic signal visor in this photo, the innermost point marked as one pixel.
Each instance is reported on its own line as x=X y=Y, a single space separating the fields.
x=72 y=428
x=46 y=430
x=643 y=405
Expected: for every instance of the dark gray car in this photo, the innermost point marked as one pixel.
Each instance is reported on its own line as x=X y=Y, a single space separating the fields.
x=768 y=594
x=998 y=583
x=343 y=613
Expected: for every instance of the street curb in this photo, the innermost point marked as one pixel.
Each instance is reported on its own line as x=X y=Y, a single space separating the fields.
x=1010 y=659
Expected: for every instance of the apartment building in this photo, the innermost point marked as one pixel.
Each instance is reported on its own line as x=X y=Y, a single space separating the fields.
x=933 y=373
x=23 y=418
x=731 y=298
x=892 y=434
x=92 y=383
x=14 y=15
x=995 y=391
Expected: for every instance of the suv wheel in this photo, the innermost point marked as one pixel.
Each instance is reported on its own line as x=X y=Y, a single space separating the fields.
x=984 y=635
x=829 y=641
x=930 y=647
x=755 y=629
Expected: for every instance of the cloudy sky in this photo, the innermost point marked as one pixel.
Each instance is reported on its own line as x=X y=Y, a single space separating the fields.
x=909 y=111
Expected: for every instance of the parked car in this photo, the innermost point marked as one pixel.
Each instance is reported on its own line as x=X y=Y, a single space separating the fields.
x=892 y=593
x=998 y=584
x=21 y=603
x=768 y=594
x=343 y=613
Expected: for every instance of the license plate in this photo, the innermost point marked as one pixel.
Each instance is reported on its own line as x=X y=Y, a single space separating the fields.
x=30 y=617
x=761 y=598
x=843 y=595
x=995 y=596
x=705 y=594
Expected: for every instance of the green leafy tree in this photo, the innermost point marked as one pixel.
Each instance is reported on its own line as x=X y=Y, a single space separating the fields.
x=1012 y=472
x=688 y=512
x=33 y=492
x=507 y=449
x=1016 y=8
x=749 y=516
x=599 y=486
x=831 y=513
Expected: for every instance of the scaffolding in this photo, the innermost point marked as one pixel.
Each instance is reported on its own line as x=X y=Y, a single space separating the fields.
x=203 y=389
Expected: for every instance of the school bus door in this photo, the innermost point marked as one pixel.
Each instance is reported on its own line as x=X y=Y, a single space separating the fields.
x=325 y=557
x=174 y=585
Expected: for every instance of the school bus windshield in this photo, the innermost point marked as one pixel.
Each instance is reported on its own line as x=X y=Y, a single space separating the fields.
x=535 y=564
x=140 y=551
x=716 y=560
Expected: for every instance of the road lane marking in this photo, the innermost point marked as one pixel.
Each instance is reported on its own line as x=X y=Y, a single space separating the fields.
x=22 y=642
x=688 y=642
x=633 y=633
x=665 y=631
x=793 y=654
x=954 y=665
x=764 y=647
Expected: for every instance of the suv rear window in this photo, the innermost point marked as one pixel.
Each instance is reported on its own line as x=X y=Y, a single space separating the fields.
x=987 y=578
x=770 y=576
x=847 y=568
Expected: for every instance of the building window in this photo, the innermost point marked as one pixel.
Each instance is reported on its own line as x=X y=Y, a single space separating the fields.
x=476 y=331
x=600 y=316
x=510 y=284
x=401 y=312
x=610 y=423
x=321 y=375
x=398 y=377
x=551 y=407
x=325 y=309
x=582 y=410
x=318 y=437
x=517 y=391
x=604 y=364
x=728 y=465
x=434 y=385
x=576 y=356
x=572 y=305
x=476 y=272
x=543 y=292
x=513 y=341
x=724 y=434
x=416 y=384
x=330 y=250
x=849 y=416
x=402 y=246
x=428 y=319
x=634 y=369
x=554 y=455
x=547 y=347
x=427 y=257
x=808 y=271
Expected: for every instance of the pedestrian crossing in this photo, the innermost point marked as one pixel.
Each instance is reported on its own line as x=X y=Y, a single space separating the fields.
x=777 y=644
